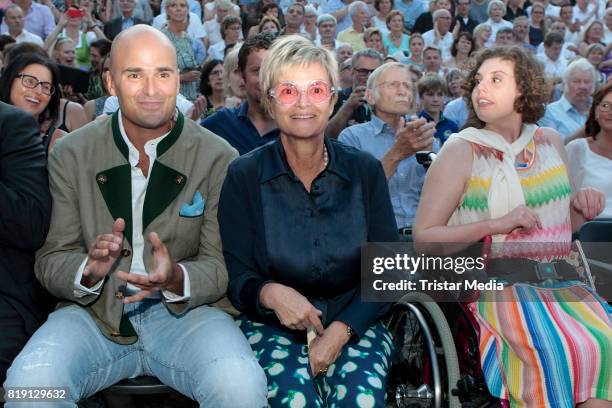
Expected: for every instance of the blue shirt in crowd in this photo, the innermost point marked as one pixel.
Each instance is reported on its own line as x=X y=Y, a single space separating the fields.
x=456 y=111
x=234 y=125
x=405 y=185
x=126 y=23
x=411 y=11
x=563 y=117
x=444 y=128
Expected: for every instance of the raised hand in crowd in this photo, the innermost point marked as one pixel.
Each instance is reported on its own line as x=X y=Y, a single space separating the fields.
x=326 y=348
x=292 y=308
x=410 y=138
x=166 y=274
x=103 y=254
x=357 y=98
x=190 y=76
x=199 y=107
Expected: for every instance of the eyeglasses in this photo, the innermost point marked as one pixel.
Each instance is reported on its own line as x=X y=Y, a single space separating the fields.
x=288 y=93
x=364 y=71
x=32 y=82
x=605 y=106
x=395 y=85
x=216 y=73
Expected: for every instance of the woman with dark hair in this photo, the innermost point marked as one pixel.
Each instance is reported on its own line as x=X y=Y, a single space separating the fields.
x=460 y=50
x=537 y=24
x=211 y=86
x=379 y=20
x=590 y=158
x=31 y=83
x=545 y=338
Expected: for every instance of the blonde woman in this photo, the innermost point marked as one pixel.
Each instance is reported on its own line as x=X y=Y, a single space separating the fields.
x=233 y=83
x=301 y=185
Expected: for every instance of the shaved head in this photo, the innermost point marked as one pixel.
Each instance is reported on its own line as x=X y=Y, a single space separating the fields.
x=145 y=78
x=137 y=38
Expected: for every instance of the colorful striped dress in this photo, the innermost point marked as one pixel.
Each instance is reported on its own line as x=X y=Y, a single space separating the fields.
x=540 y=345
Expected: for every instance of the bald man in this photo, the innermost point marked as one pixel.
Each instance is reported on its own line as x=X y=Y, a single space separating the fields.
x=134 y=249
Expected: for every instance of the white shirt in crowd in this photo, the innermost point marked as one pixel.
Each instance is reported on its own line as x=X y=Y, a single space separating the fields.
x=550 y=11
x=27 y=36
x=495 y=27
x=566 y=54
x=553 y=69
x=213 y=32
x=582 y=15
x=139 y=189
x=194 y=30
x=445 y=43
x=380 y=24
x=589 y=169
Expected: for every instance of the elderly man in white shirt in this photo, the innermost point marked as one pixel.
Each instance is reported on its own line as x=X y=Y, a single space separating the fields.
x=440 y=36
x=15 y=20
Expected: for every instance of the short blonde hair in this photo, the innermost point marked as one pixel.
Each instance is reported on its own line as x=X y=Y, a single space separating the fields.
x=497 y=3
x=230 y=64
x=370 y=31
x=291 y=51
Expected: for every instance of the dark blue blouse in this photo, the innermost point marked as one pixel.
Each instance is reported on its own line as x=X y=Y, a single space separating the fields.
x=274 y=230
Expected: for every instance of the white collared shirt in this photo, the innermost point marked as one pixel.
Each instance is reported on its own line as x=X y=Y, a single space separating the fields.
x=27 y=36
x=444 y=44
x=139 y=189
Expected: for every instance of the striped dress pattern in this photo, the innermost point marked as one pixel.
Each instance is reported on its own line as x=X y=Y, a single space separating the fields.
x=541 y=345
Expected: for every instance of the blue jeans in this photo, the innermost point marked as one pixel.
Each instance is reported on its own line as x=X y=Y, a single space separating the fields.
x=201 y=354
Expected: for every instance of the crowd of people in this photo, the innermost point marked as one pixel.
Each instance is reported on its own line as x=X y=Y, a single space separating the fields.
x=190 y=183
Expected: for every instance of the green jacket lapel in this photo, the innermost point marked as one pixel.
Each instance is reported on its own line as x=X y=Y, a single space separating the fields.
x=115 y=184
x=165 y=183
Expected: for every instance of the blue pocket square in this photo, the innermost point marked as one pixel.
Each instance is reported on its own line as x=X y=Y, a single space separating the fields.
x=195 y=209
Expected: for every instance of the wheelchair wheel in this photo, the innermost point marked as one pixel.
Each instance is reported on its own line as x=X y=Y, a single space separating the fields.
x=425 y=370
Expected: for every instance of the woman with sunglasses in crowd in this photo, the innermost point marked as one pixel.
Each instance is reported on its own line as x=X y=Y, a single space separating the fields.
x=30 y=82
x=293 y=215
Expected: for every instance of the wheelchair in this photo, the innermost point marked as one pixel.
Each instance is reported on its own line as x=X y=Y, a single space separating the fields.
x=437 y=361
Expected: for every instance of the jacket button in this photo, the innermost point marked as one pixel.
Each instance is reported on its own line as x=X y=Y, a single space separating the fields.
x=115 y=333
x=126 y=252
x=179 y=179
x=102 y=179
x=119 y=294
